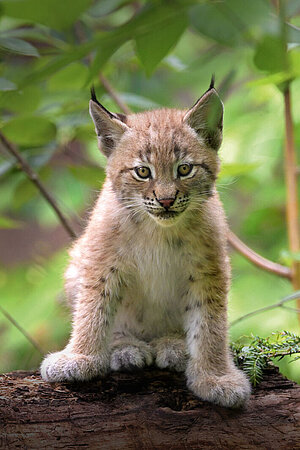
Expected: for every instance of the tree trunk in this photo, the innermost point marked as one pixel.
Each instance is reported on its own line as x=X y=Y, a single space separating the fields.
x=150 y=409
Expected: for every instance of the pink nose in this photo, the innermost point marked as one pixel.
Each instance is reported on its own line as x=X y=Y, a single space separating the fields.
x=166 y=202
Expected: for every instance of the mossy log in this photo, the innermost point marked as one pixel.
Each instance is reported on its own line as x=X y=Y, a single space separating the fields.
x=150 y=409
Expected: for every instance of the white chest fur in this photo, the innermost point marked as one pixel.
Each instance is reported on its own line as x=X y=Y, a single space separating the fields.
x=152 y=304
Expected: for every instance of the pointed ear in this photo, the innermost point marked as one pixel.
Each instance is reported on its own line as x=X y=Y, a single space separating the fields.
x=206 y=117
x=109 y=127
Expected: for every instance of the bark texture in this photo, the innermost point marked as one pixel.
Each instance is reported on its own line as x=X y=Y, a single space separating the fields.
x=150 y=409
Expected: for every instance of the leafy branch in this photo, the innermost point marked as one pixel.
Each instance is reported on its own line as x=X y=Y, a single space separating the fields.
x=260 y=352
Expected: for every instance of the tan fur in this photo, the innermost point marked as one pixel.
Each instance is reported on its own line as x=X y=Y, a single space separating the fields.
x=148 y=289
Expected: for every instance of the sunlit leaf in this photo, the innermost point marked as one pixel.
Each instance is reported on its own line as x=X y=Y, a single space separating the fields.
x=71 y=77
x=58 y=14
x=274 y=78
x=31 y=130
x=287 y=257
x=56 y=63
x=270 y=54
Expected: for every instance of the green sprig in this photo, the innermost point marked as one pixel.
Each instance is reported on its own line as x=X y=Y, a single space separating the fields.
x=255 y=357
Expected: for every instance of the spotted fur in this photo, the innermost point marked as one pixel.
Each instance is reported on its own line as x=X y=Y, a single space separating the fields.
x=149 y=277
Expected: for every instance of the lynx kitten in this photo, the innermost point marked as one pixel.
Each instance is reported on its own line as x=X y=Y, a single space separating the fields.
x=150 y=275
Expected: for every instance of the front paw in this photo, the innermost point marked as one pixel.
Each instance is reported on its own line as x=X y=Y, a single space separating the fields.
x=130 y=357
x=66 y=366
x=171 y=353
x=231 y=390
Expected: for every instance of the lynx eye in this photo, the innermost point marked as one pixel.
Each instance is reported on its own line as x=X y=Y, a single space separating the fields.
x=184 y=169
x=143 y=172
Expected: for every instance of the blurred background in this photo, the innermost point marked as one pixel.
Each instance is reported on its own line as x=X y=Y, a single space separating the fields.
x=153 y=54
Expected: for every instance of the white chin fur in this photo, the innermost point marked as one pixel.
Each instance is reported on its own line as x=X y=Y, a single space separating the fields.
x=165 y=222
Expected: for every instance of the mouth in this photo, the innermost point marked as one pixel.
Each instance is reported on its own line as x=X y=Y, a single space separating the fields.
x=166 y=217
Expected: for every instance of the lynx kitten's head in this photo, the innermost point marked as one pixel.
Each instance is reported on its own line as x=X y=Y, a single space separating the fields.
x=162 y=163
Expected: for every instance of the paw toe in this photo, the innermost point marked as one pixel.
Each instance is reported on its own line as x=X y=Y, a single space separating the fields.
x=129 y=358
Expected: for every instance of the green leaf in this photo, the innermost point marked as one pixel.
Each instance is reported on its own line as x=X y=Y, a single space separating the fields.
x=23 y=193
x=153 y=45
x=92 y=176
x=274 y=78
x=22 y=101
x=72 y=77
x=56 y=63
x=30 y=130
x=6 y=222
x=209 y=20
x=229 y=22
x=287 y=257
x=57 y=14
x=104 y=7
x=6 y=85
x=105 y=49
x=270 y=55
x=15 y=45
x=25 y=190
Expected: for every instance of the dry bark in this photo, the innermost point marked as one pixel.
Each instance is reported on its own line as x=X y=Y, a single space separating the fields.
x=150 y=409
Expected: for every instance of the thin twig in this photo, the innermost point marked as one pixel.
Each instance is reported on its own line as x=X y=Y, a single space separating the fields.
x=116 y=98
x=294 y=296
x=37 y=182
x=21 y=329
x=233 y=240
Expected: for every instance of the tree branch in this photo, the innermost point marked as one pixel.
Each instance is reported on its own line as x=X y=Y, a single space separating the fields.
x=116 y=98
x=291 y=188
x=36 y=181
x=294 y=296
x=257 y=259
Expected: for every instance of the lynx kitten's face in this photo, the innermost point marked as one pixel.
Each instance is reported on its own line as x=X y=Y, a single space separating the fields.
x=163 y=163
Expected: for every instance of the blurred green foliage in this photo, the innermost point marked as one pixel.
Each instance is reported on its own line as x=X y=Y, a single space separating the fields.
x=156 y=53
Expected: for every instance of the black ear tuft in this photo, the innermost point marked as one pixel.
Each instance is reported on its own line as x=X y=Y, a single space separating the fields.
x=93 y=95
x=94 y=99
x=206 y=116
x=212 y=82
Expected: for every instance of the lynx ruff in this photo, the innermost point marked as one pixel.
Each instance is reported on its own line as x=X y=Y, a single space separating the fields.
x=148 y=279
